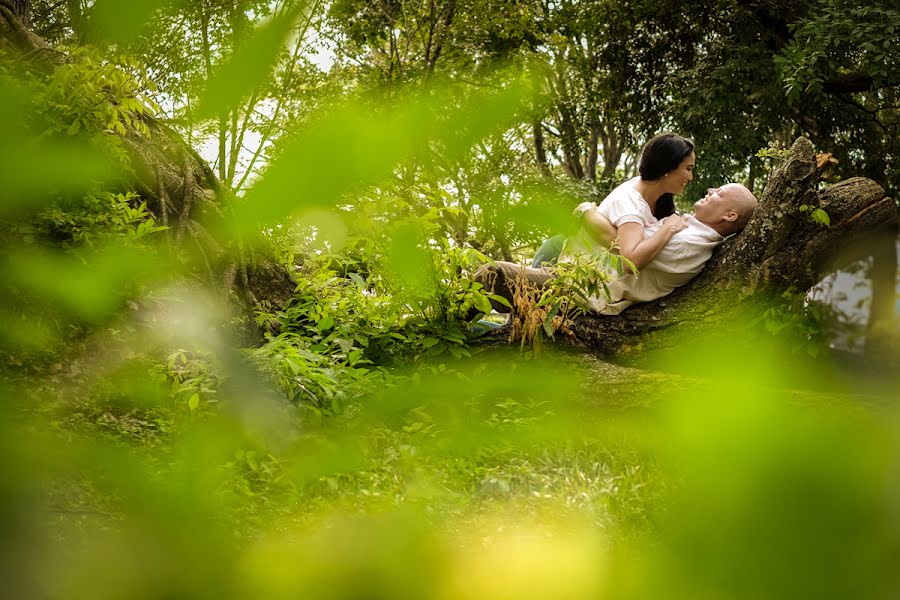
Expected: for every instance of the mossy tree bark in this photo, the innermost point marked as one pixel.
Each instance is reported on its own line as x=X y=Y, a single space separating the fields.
x=782 y=248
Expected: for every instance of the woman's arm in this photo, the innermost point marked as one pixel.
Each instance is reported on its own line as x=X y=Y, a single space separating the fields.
x=640 y=250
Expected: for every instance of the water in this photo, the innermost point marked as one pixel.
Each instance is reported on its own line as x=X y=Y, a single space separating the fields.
x=848 y=293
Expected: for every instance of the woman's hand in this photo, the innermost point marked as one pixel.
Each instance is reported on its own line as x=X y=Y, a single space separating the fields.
x=640 y=250
x=675 y=223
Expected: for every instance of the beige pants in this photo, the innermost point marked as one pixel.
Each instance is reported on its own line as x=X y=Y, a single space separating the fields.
x=499 y=279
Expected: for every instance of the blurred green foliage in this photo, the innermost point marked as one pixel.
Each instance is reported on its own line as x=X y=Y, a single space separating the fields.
x=365 y=447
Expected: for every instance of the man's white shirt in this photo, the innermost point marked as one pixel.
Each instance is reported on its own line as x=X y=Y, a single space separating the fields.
x=677 y=263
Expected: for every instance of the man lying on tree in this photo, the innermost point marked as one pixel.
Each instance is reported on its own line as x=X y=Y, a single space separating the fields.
x=689 y=241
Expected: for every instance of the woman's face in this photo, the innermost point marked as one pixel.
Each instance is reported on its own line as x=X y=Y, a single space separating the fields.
x=682 y=175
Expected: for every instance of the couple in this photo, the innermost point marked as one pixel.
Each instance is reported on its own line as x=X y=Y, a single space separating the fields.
x=666 y=248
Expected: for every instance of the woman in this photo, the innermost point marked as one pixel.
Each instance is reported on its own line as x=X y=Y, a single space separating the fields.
x=666 y=167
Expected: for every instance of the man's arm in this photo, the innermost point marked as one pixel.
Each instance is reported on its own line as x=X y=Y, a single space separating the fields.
x=599 y=228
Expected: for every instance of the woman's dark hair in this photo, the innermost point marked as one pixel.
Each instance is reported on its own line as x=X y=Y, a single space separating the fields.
x=665 y=206
x=663 y=153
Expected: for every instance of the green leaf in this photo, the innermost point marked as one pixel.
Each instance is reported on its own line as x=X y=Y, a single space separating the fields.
x=408 y=262
x=370 y=145
x=548 y=323
x=454 y=337
x=122 y=22
x=252 y=462
x=194 y=401
x=325 y=323
x=429 y=342
x=354 y=356
x=554 y=310
x=359 y=281
x=500 y=299
x=482 y=303
x=821 y=217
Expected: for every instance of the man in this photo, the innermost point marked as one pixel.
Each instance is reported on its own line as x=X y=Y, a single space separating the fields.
x=721 y=212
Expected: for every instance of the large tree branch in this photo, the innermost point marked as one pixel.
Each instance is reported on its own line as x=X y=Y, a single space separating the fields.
x=848 y=83
x=16 y=37
x=21 y=9
x=781 y=248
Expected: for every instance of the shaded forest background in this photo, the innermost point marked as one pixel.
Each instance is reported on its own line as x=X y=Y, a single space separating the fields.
x=734 y=77
x=237 y=240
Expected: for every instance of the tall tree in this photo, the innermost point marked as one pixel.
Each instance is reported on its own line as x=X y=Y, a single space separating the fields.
x=169 y=177
x=585 y=119
x=190 y=43
x=22 y=10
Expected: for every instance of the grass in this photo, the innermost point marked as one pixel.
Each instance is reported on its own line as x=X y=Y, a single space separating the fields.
x=416 y=461
x=535 y=468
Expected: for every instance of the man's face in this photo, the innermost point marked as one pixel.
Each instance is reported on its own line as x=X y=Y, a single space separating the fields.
x=716 y=204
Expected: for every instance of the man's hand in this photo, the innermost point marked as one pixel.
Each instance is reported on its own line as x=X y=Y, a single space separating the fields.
x=582 y=208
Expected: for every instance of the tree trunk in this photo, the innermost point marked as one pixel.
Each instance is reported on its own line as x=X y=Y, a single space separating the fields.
x=782 y=248
x=18 y=39
x=751 y=175
x=590 y=166
x=568 y=134
x=540 y=153
x=612 y=151
x=881 y=249
x=179 y=187
x=22 y=10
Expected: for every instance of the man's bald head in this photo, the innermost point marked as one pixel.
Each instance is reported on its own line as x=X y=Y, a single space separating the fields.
x=726 y=209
